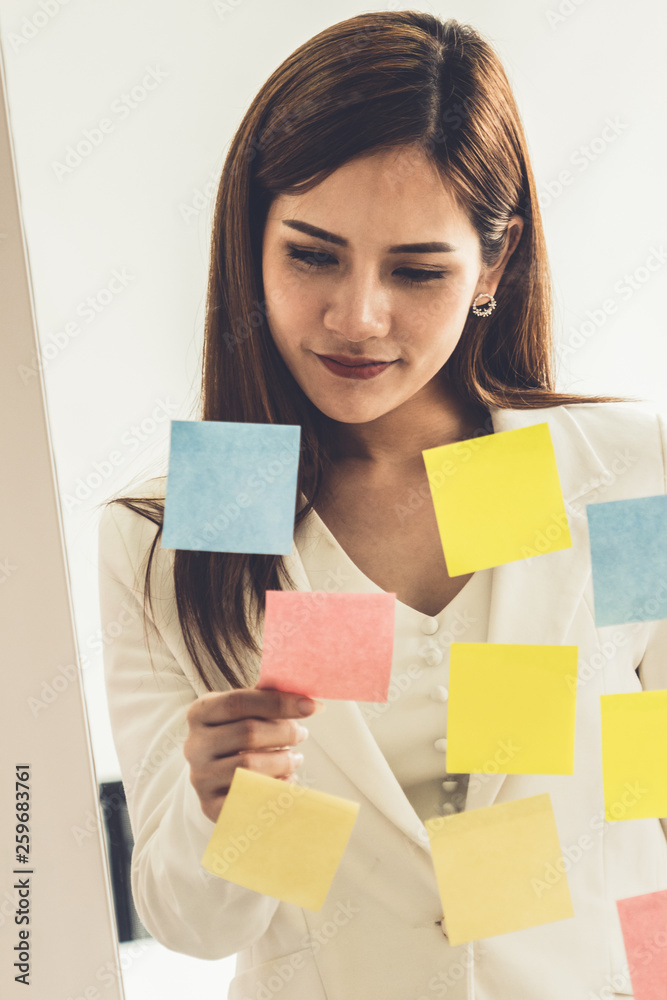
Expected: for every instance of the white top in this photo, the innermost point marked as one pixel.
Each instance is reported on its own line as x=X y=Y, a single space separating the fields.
x=376 y=933
x=411 y=727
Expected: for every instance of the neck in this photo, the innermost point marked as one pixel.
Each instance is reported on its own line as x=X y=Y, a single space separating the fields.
x=393 y=443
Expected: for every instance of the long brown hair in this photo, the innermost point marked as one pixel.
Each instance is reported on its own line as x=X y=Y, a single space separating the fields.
x=372 y=82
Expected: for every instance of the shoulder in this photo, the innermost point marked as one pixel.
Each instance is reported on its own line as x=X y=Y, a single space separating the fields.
x=625 y=436
x=597 y=420
x=628 y=440
x=619 y=446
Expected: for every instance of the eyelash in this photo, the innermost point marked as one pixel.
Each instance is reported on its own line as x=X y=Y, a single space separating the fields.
x=306 y=257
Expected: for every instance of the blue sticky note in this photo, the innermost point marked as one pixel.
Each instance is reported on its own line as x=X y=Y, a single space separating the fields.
x=231 y=487
x=629 y=553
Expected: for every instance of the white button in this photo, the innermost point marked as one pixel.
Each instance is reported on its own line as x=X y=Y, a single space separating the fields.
x=447 y=808
x=440 y=693
x=429 y=626
x=450 y=786
x=440 y=745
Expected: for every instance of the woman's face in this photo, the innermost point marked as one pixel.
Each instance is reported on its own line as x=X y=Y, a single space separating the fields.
x=354 y=290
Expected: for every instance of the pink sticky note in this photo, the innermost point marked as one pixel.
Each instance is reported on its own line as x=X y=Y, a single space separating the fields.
x=644 y=926
x=328 y=645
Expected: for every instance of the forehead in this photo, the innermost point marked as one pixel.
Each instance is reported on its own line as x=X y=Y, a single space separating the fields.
x=389 y=196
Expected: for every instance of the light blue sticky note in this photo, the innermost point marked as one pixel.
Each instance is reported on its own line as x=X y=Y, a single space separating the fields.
x=231 y=487
x=629 y=553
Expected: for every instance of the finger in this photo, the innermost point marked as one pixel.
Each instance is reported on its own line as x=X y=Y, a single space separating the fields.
x=266 y=703
x=215 y=778
x=209 y=742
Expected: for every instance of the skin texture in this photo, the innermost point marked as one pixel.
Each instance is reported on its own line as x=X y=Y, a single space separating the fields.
x=355 y=301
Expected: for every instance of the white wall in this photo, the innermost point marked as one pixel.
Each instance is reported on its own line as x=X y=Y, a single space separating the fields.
x=140 y=205
x=51 y=845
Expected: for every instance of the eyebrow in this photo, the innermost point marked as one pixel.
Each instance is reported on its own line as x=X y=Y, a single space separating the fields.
x=322 y=234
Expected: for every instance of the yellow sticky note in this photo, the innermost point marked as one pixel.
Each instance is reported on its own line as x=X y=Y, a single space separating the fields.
x=492 y=864
x=634 y=751
x=279 y=838
x=511 y=708
x=497 y=498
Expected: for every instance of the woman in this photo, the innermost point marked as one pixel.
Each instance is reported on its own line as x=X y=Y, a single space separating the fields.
x=379 y=277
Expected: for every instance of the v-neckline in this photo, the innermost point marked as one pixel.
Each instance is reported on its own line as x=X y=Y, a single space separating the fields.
x=327 y=531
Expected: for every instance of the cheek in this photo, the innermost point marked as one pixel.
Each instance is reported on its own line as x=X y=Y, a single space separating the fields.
x=282 y=302
x=295 y=307
x=288 y=321
x=439 y=319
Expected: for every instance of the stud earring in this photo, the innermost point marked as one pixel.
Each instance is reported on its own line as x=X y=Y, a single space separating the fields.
x=487 y=307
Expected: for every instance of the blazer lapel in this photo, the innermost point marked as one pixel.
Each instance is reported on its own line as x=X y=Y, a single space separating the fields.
x=343 y=734
x=534 y=600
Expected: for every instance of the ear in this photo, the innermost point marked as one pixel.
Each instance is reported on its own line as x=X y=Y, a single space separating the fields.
x=489 y=278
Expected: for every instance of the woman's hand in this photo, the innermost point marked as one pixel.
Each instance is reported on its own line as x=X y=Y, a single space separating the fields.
x=245 y=727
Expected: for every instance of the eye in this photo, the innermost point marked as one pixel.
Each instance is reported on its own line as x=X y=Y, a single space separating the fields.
x=320 y=258
x=311 y=258
x=419 y=277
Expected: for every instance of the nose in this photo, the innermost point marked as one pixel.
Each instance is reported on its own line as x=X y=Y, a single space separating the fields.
x=359 y=308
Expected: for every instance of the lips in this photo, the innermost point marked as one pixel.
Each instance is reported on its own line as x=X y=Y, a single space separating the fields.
x=342 y=359
x=353 y=368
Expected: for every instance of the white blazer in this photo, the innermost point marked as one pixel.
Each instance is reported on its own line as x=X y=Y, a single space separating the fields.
x=378 y=933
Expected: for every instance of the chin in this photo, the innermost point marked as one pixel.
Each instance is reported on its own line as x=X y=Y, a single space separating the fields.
x=348 y=414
